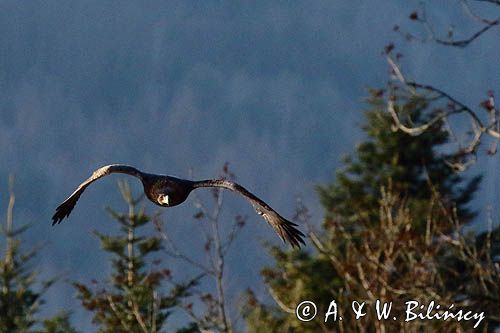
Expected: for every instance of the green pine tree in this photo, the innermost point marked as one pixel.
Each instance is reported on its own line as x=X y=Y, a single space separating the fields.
x=21 y=291
x=136 y=298
x=414 y=165
x=58 y=324
x=390 y=233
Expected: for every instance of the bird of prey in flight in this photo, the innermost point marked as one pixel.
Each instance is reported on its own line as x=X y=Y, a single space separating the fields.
x=167 y=191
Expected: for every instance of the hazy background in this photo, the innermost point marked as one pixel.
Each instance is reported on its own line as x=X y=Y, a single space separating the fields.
x=274 y=88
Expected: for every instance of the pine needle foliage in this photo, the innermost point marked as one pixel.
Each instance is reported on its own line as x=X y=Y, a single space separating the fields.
x=21 y=291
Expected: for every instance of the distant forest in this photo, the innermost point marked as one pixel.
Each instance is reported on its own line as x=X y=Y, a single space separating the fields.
x=395 y=227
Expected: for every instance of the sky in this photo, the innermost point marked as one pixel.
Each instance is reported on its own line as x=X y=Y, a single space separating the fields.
x=276 y=89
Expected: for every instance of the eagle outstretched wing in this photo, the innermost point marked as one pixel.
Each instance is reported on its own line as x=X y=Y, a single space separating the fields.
x=64 y=209
x=285 y=229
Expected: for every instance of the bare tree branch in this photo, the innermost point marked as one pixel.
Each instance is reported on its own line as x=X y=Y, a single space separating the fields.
x=139 y=318
x=421 y=17
x=117 y=313
x=10 y=209
x=496 y=2
x=220 y=261
x=474 y=16
x=465 y=155
x=174 y=252
x=282 y=305
x=216 y=248
x=465 y=42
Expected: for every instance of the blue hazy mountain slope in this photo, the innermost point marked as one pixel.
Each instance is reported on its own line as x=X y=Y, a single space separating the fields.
x=273 y=88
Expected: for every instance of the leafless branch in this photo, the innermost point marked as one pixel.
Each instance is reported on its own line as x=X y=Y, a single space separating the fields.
x=421 y=17
x=117 y=314
x=466 y=155
x=496 y=2
x=282 y=305
x=468 y=10
x=233 y=234
x=138 y=317
x=10 y=210
x=216 y=248
x=219 y=258
x=465 y=42
x=154 y=311
x=174 y=252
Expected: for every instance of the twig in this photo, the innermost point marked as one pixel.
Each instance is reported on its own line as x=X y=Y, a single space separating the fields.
x=138 y=317
x=496 y=2
x=115 y=310
x=10 y=210
x=220 y=262
x=461 y=43
x=175 y=253
x=278 y=301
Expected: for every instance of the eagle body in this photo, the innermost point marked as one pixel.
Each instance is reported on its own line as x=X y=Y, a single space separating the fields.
x=166 y=191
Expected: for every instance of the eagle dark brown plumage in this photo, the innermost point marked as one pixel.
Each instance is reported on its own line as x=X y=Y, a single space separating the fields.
x=167 y=191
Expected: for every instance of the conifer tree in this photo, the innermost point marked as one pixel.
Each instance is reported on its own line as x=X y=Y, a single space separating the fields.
x=58 y=324
x=21 y=291
x=415 y=166
x=391 y=232
x=135 y=299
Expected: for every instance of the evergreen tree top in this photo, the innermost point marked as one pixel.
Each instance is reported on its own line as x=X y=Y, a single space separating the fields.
x=412 y=165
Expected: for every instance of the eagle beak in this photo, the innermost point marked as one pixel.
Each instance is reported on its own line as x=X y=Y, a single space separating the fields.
x=164 y=199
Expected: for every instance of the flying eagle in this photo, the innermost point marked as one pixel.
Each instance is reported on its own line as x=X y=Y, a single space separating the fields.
x=167 y=191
